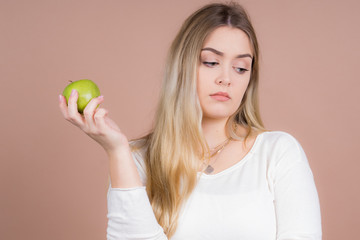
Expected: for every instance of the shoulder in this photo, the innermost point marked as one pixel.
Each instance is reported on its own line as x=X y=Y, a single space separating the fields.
x=285 y=156
x=137 y=145
x=280 y=139
x=282 y=146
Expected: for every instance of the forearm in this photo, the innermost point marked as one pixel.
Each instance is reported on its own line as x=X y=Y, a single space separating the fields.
x=122 y=168
x=130 y=215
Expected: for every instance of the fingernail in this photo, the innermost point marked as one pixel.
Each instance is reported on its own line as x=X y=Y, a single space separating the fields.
x=60 y=98
x=73 y=92
x=101 y=97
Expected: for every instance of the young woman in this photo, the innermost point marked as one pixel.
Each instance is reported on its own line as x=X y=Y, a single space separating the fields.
x=208 y=169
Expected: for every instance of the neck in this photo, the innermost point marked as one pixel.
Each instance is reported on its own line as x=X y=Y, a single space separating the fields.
x=214 y=131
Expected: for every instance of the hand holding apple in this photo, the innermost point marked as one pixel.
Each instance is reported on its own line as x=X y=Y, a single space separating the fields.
x=94 y=122
x=86 y=89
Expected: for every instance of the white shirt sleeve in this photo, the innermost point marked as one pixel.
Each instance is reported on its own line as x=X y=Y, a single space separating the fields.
x=130 y=215
x=295 y=196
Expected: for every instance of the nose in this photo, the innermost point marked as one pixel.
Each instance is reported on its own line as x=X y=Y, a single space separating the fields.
x=224 y=82
x=224 y=78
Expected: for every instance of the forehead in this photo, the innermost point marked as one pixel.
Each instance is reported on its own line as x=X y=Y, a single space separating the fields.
x=228 y=40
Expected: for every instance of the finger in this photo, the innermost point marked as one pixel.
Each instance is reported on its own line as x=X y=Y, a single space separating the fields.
x=89 y=112
x=73 y=113
x=99 y=117
x=63 y=107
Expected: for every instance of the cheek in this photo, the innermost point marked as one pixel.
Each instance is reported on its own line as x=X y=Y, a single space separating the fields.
x=202 y=82
x=239 y=92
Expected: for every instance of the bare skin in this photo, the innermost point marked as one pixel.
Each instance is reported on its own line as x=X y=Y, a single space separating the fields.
x=94 y=122
x=224 y=66
x=229 y=52
x=233 y=153
x=97 y=125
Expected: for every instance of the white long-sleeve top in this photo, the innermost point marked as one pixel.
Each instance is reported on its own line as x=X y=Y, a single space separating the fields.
x=269 y=195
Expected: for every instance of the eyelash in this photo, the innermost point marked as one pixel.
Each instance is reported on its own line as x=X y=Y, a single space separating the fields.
x=242 y=70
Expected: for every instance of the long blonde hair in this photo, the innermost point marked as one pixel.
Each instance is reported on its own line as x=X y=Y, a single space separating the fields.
x=175 y=145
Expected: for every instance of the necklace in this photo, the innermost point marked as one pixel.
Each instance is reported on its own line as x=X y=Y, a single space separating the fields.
x=209 y=169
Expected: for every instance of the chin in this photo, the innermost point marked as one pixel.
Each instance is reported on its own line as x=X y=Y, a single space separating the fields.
x=216 y=115
x=218 y=112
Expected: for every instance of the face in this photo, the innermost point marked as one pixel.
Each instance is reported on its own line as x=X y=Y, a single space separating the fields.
x=224 y=69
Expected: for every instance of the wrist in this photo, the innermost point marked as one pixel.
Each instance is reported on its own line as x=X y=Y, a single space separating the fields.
x=119 y=151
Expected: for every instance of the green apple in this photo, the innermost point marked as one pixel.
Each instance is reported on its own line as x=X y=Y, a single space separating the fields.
x=86 y=89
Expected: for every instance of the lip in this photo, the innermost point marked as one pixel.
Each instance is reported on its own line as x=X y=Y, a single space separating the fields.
x=220 y=96
x=225 y=94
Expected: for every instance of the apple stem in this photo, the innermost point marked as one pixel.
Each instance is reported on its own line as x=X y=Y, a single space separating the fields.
x=70 y=81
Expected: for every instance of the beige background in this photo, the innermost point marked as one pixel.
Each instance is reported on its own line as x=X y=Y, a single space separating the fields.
x=53 y=176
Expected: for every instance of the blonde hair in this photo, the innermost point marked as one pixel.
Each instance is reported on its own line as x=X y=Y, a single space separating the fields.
x=176 y=143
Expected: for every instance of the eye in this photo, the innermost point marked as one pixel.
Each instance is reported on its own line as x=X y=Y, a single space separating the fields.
x=210 y=64
x=240 y=70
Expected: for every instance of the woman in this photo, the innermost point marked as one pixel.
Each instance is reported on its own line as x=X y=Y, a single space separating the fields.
x=208 y=169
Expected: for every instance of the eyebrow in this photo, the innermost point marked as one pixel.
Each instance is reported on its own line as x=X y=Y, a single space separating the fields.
x=222 y=54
